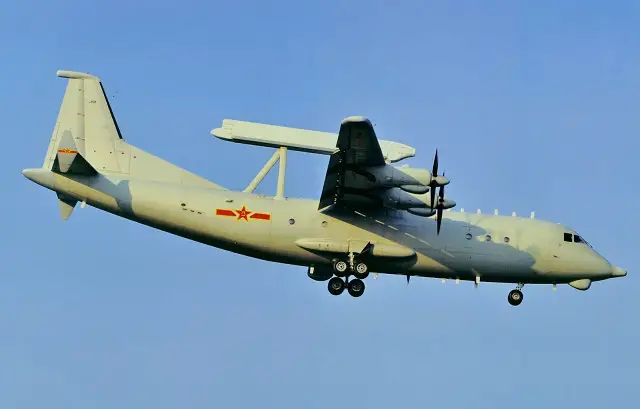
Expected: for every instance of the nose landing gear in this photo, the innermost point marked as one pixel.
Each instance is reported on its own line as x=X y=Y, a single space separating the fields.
x=515 y=296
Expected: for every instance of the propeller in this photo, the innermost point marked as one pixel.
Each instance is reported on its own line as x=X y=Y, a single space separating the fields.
x=433 y=184
x=437 y=181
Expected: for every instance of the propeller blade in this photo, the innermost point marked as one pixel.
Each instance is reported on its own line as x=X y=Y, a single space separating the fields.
x=408 y=278
x=435 y=165
x=433 y=196
x=434 y=174
x=440 y=209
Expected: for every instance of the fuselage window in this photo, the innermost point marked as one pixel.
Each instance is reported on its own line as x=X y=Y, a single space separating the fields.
x=487 y=238
x=568 y=237
x=506 y=239
x=468 y=236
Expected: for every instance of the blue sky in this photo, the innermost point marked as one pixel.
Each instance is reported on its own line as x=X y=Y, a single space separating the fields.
x=532 y=105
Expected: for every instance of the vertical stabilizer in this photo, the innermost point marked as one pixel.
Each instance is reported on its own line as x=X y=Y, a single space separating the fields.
x=86 y=137
x=66 y=204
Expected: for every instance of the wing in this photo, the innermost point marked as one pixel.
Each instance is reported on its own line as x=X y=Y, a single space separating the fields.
x=357 y=149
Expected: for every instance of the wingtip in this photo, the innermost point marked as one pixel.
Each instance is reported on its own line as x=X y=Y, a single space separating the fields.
x=76 y=75
x=351 y=119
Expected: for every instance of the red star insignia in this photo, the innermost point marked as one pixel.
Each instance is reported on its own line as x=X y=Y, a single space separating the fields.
x=243 y=213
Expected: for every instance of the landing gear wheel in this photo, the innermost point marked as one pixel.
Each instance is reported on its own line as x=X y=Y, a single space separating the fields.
x=336 y=286
x=340 y=268
x=356 y=287
x=361 y=271
x=515 y=297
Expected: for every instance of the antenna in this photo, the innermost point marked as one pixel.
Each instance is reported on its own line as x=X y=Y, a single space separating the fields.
x=478 y=211
x=513 y=214
x=533 y=215
x=495 y=211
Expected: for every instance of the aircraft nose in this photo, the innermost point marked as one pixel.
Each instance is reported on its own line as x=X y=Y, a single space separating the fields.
x=618 y=272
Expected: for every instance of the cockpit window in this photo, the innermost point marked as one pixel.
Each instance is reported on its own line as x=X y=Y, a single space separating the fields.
x=574 y=238
x=580 y=239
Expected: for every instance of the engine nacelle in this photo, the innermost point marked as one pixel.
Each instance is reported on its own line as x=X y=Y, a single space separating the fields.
x=415 y=189
x=405 y=176
x=424 y=212
x=396 y=198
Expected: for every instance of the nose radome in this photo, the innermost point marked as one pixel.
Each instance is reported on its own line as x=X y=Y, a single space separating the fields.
x=618 y=272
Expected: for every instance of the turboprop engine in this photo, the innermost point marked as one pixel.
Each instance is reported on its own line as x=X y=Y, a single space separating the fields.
x=411 y=180
x=418 y=204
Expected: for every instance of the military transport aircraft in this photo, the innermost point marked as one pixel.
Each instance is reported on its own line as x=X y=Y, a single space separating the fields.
x=371 y=216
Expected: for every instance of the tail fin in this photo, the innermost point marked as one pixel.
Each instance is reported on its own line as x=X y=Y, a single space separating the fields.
x=85 y=111
x=86 y=142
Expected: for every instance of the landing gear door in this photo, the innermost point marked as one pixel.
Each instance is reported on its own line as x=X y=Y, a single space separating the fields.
x=356 y=245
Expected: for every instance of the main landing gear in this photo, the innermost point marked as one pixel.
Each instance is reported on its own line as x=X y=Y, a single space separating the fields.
x=342 y=268
x=515 y=296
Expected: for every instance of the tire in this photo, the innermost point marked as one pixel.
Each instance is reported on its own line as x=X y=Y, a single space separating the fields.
x=340 y=267
x=336 y=286
x=356 y=287
x=361 y=271
x=515 y=297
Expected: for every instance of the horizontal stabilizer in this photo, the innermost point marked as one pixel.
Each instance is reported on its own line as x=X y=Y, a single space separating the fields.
x=66 y=204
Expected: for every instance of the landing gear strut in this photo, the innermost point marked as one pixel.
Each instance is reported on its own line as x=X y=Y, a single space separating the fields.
x=515 y=296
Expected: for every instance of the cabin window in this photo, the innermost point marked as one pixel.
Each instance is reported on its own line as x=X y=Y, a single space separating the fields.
x=506 y=239
x=324 y=223
x=487 y=238
x=468 y=236
x=292 y=221
x=568 y=237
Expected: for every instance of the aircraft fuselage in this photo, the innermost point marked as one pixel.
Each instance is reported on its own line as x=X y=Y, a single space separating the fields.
x=470 y=246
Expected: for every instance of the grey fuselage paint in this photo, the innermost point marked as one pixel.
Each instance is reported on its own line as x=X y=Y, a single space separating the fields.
x=494 y=248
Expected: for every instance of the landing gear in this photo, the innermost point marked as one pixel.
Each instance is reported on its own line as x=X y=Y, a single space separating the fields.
x=356 y=287
x=515 y=296
x=340 y=267
x=336 y=286
x=342 y=270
